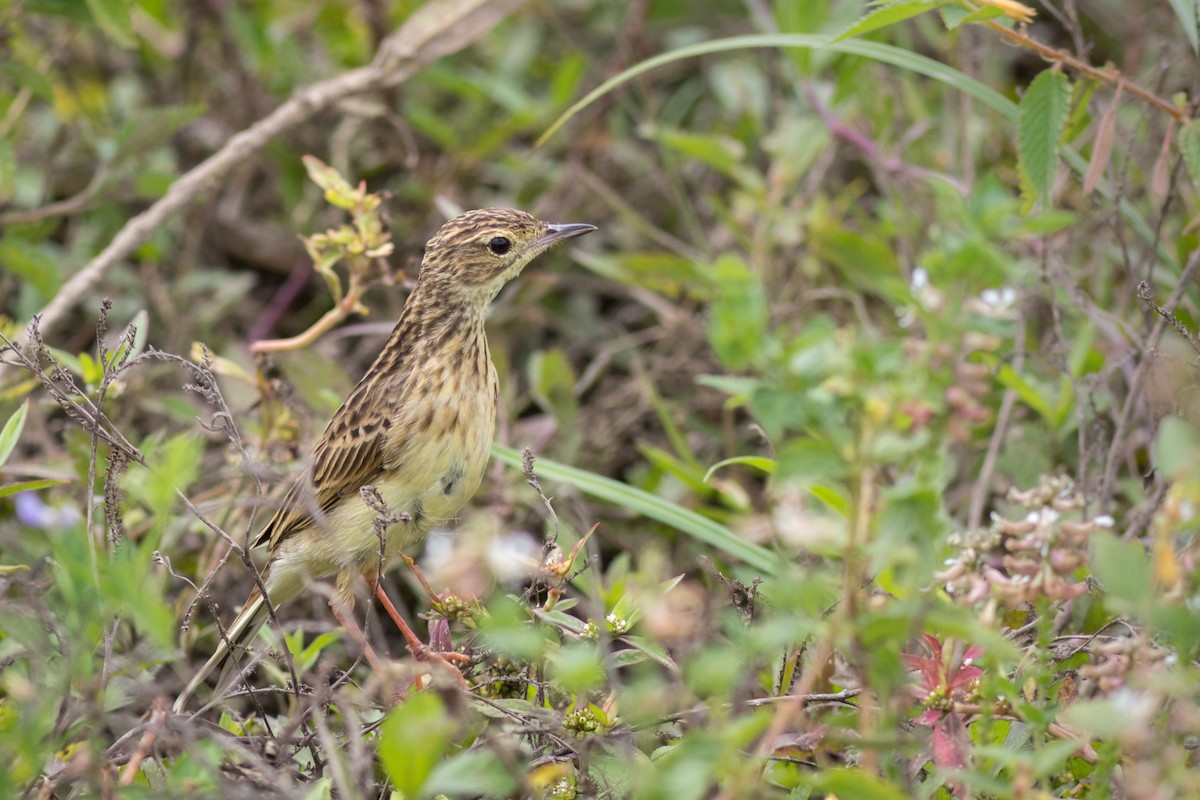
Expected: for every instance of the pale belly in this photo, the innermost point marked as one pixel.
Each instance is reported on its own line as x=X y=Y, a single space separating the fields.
x=428 y=488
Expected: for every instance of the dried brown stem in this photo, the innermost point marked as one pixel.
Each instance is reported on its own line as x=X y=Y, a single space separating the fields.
x=1109 y=75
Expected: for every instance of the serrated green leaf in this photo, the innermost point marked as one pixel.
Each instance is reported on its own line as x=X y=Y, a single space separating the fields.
x=1041 y=117
x=1189 y=148
x=889 y=14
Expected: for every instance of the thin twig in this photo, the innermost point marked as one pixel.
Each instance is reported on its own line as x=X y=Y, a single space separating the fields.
x=158 y=718
x=60 y=208
x=1109 y=75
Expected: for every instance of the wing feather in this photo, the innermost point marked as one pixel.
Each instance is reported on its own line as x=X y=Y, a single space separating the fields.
x=348 y=456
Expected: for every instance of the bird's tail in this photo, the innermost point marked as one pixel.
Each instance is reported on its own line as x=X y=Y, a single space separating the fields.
x=239 y=635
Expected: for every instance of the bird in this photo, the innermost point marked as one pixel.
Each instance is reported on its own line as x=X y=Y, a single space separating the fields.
x=417 y=428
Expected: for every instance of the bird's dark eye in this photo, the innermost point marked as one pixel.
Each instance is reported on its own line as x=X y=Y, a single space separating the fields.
x=499 y=245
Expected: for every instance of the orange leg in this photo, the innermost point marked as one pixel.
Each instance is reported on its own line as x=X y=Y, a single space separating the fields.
x=420 y=650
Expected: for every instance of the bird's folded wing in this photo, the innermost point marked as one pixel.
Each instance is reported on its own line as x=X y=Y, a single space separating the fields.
x=348 y=457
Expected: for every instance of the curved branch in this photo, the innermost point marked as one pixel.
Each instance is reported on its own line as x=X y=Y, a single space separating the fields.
x=435 y=30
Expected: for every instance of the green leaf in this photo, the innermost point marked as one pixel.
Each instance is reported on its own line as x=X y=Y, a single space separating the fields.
x=737 y=324
x=1042 y=114
x=139 y=326
x=1046 y=222
x=652 y=649
x=1123 y=568
x=1030 y=396
x=1189 y=147
x=738 y=319
x=474 y=773
x=12 y=432
x=93 y=372
x=889 y=14
x=413 y=739
x=955 y=16
x=1065 y=404
x=1176 y=448
x=856 y=784
x=577 y=667
x=8 y=170
x=671 y=465
x=761 y=464
x=832 y=498
x=36 y=263
x=30 y=486
x=552 y=384
x=1185 y=10
x=172 y=465
x=811 y=461
x=723 y=153
x=682 y=519
x=113 y=17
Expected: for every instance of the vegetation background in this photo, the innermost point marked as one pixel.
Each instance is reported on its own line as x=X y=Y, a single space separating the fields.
x=878 y=385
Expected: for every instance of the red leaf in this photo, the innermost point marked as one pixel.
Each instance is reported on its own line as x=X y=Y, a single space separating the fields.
x=951 y=744
x=929 y=717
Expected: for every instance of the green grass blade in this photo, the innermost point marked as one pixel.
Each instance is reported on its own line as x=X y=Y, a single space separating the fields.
x=668 y=513
x=12 y=432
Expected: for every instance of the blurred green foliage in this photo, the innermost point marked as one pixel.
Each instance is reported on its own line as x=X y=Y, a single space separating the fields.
x=880 y=386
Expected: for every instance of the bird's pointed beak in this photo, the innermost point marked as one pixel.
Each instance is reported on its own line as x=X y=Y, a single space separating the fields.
x=567 y=230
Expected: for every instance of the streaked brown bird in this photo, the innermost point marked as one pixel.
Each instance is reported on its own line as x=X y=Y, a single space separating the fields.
x=418 y=428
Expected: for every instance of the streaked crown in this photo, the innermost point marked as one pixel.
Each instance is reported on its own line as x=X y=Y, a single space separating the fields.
x=482 y=250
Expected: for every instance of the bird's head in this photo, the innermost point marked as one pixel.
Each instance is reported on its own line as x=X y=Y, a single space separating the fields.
x=480 y=251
